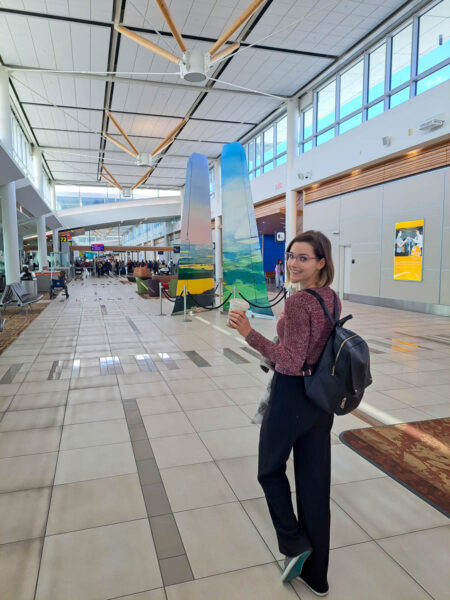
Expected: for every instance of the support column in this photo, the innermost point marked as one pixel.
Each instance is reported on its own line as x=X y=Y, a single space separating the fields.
x=55 y=236
x=218 y=219
x=52 y=195
x=291 y=151
x=42 y=244
x=10 y=232
x=5 y=112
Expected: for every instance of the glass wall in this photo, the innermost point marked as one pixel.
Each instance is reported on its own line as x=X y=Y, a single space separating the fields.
x=411 y=60
x=21 y=147
x=74 y=196
x=268 y=149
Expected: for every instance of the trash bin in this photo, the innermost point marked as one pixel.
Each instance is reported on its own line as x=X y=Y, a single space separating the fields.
x=30 y=286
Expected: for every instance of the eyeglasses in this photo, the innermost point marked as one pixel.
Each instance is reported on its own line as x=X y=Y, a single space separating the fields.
x=303 y=258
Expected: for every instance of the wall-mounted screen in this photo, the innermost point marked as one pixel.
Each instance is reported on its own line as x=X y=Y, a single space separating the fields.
x=97 y=247
x=408 y=250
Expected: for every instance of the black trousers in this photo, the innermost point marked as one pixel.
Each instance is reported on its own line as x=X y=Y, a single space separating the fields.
x=292 y=422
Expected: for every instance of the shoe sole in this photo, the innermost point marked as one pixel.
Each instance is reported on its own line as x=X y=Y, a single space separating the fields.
x=313 y=591
x=295 y=567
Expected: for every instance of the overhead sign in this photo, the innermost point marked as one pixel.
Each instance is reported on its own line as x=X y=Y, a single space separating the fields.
x=408 y=250
x=176 y=249
x=65 y=238
x=90 y=255
x=98 y=247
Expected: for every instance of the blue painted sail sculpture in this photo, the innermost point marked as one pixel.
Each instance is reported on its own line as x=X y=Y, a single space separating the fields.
x=196 y=262
x=242 y=262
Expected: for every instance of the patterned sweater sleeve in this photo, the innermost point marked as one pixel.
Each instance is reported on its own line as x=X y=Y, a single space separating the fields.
x=290 y=354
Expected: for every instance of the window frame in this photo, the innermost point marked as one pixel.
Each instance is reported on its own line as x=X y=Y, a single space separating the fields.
x=413 y=22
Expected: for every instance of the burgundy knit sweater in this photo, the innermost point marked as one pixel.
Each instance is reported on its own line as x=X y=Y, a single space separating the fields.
x=302 y=332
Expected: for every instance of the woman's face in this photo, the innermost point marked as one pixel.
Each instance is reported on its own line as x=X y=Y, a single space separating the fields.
x=305 y=267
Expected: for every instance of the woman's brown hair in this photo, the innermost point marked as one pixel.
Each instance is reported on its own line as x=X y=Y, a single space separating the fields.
x=321 y=246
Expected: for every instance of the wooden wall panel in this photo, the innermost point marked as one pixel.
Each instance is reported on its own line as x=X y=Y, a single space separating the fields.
x=404 y=166
x=264 y=209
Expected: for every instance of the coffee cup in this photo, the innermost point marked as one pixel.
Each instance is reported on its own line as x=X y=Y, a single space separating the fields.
x=238 y=304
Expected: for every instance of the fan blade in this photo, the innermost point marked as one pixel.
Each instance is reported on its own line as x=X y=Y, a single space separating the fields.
x=120 y=145
x=111 y=176
x=169 y=138
x=147 y=44
x=235 y=26
x=246 y=89
x=142 y=179
x=225 y=52
x=123 y=133
x=171 y=23
x=119 y=187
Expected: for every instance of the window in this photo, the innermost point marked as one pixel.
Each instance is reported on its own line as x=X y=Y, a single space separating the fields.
x=390 y=78
x=251 y=155
x=268 y=149
x=377 y=67
x=375 y=110
x=350 y=123
x=66 y=202
x=351 y=90
x=326 y=100
x=434 y=79
x=399 y=97
x=281 y=136
x=325 y=136
x=258 y=151
x=307 y=123
x=401 y=57
x=268 y=145
x=434 y=36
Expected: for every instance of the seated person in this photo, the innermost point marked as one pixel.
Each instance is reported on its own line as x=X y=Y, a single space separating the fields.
x=26 y=275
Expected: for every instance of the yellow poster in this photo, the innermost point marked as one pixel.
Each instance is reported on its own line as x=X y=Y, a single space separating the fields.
x=408 y=250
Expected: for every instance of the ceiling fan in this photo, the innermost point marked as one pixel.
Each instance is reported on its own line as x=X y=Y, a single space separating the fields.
x=148 y=159
x=194 y=65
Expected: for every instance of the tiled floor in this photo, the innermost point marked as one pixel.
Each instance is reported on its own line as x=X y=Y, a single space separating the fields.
x=128 y=460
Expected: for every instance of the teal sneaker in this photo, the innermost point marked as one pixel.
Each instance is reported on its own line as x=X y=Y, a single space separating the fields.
x=293 y=566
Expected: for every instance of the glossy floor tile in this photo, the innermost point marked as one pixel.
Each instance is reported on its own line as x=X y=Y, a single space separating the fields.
x=140 y=483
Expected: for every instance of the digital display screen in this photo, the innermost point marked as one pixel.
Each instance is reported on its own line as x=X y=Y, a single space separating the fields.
x=97 y=247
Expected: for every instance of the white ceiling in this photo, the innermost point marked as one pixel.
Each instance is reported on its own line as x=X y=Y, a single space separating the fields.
x=66 y=112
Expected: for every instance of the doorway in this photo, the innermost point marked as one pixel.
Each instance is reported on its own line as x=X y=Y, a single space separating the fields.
x=345 y=271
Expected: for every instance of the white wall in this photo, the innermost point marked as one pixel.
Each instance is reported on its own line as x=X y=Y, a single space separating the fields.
x=365 y=220
x=269 y=185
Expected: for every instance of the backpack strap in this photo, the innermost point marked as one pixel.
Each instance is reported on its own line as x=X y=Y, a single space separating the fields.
x=323 y=305
x=336 y=306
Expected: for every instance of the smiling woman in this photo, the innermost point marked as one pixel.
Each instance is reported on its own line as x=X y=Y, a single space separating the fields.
x=291 y=421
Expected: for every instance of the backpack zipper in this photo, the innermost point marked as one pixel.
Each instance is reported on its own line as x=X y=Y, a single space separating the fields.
x=333 y=368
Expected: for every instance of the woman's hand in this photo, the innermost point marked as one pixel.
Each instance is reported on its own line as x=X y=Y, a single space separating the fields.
x=238 y=320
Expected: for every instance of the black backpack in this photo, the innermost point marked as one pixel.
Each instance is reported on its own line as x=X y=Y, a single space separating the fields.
x=342 y=372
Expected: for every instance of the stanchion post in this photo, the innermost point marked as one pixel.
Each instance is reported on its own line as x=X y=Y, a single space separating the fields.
x=186 y=320
x=161 y=314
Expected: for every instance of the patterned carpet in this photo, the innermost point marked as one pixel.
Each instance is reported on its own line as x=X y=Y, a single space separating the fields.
x=17 y=320
x=416 y=454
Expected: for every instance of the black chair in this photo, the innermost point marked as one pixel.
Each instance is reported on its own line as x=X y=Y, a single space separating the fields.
x=15 y=295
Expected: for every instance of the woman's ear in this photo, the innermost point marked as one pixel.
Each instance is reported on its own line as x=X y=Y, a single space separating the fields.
x=321 y=264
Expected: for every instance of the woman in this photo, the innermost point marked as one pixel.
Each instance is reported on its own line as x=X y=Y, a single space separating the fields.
x=279 y=274
x=292 y=422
